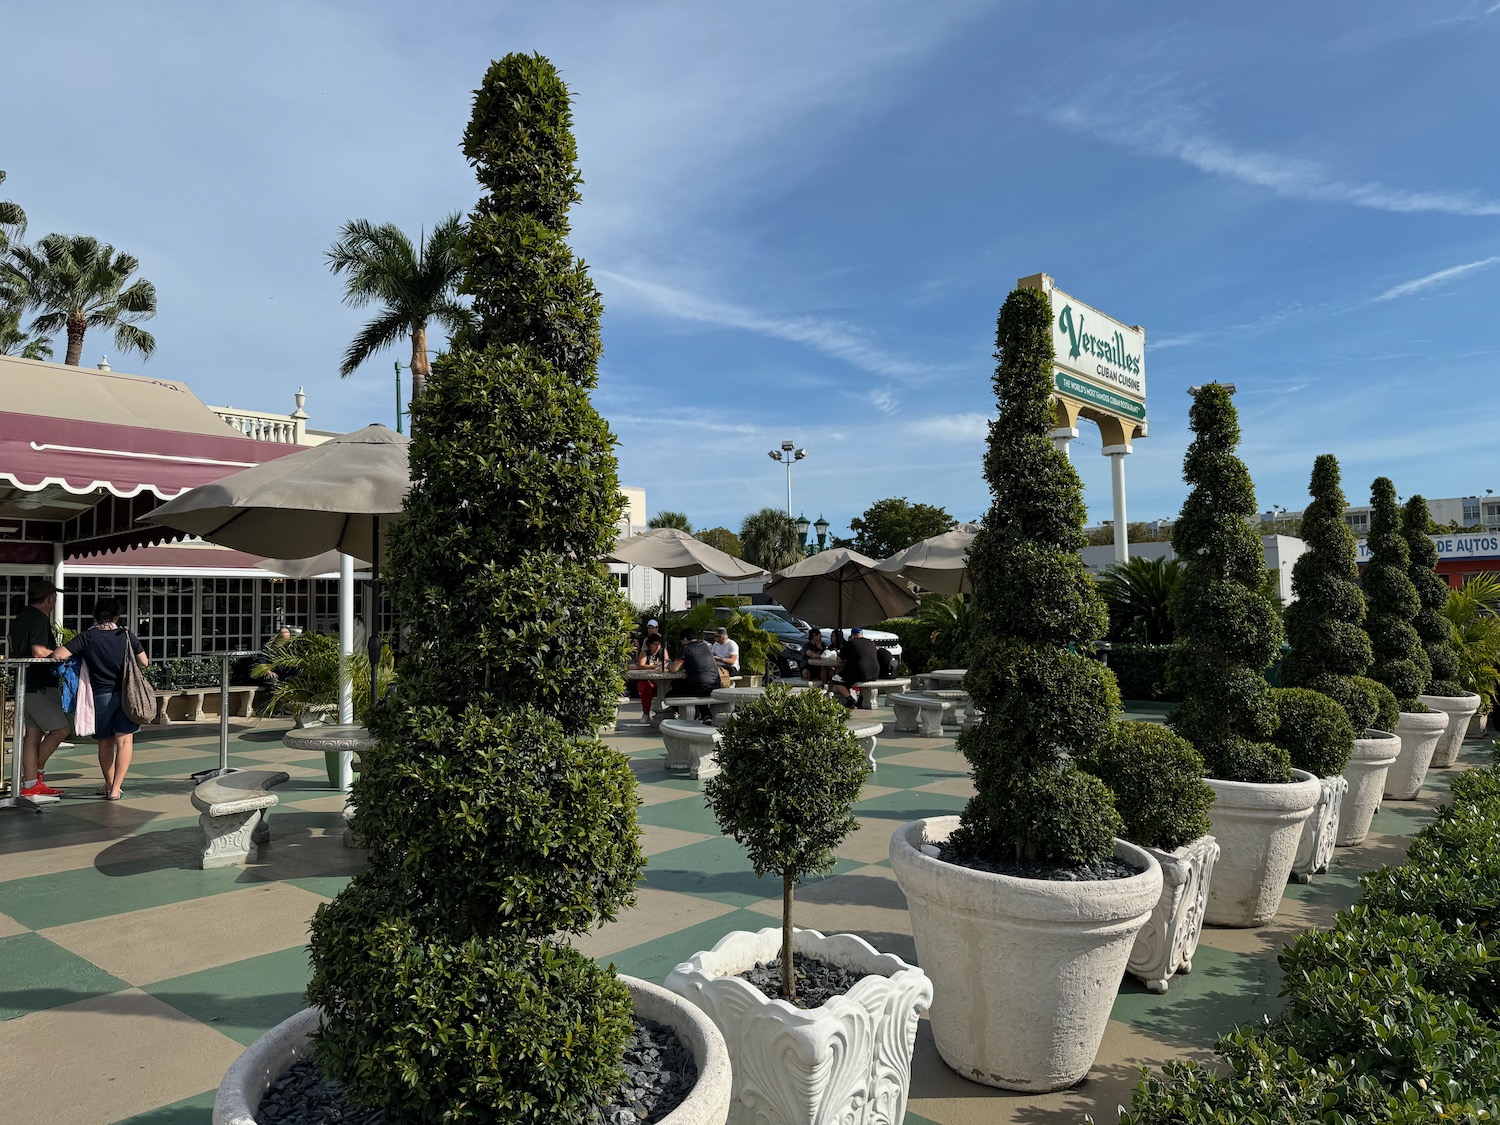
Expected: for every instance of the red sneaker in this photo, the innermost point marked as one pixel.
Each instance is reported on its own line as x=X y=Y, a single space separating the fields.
x=41 y=789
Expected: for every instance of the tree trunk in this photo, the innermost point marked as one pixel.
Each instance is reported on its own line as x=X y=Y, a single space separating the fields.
x=77 y=325
x=788 y=970
x=420 y=368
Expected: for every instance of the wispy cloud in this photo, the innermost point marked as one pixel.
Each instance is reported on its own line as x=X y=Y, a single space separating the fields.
x=951 y=427
x=1439 y=277
x=884 y=401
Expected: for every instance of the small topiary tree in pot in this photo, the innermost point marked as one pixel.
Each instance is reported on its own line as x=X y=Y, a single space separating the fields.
x=1035 y=847
x=1444 y=691
x=1227 y=635
x=1401 y=662
x=790 y=772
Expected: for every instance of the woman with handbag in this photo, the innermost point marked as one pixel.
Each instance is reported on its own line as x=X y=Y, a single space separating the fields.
x=108 y=651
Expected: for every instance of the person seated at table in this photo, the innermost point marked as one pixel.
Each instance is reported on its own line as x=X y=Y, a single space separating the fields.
x=861 y=663
x=811 y=647
x=653 y=655
x=726 y=652
x=695 y=660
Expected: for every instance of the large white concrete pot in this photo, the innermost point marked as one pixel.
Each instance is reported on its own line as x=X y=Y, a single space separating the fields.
x=1024 y=971
x=290 y=1041
x=1459 y=709
x=1365 y=773
x=845 y=1061
x=1419 y=733
x=1167 y=942
x=1259 y=828
x=1315 y=850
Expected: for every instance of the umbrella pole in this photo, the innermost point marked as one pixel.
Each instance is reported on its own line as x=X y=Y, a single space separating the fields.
x=346 y=667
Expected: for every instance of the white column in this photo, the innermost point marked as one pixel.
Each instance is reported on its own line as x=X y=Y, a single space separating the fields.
x=1116 y=455
x=1060 y=438
x=346 y=650
x=57 y=580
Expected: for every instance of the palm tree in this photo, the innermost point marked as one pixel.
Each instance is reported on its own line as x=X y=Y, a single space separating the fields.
x=75 y=282
x=11 y=216
x=411 y=285
x=13 y=341
x=677 y=520
x=769 y=539
x=1137 y=592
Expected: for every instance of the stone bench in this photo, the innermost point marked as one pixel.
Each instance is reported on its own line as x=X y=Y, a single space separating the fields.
x=241 y=704
x=692 y=747
x=918 y=714
x=955 y=704
x=869 y=691
x=866 y=734
x=232 y=810
x=677 y=704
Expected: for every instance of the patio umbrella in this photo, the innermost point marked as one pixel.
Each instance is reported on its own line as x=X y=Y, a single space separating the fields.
x=318 y=566
x=678 y=555
x=939 y=564
x=842 y=588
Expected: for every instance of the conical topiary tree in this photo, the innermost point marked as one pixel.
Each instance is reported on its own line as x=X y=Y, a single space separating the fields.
x=1033 y=599
x=1227 y=631
x=1401 y=663
x=1325 y=624
x=494 y=816
x=1432 y=596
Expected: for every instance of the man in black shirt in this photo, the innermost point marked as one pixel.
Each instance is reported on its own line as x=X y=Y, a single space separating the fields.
x=700 y=670
x=861 y=663
x=32 y=635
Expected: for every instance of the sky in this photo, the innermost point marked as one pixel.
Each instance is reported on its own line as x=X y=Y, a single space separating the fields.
x=803 y=218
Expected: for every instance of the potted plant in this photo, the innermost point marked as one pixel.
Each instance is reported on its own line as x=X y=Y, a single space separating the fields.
x=1157 y=779
x=1444 y=691
x=497 y=822
x=1319 y=739
x=1330 y=653
x=791 y=772
x=1476 y=638
x=1025 y=908
x=1227 y=634
x=1401 y=663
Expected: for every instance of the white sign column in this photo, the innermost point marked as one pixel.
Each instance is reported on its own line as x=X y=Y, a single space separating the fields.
x=1061 y=437
x=1116 y=455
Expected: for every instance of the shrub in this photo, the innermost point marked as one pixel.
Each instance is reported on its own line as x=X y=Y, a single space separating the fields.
x=1227 y=631
x=1325 y=624
x=1141 y=670
x=1138 y=592
x=1476 y=639
x=1314 y=730
x=1401 y=663
x=949 y=619
x=1432 y=595
x=311 y=663
x=791 y=772
x=916 y=643
x=1033 y=604
x=1157 y=779
x=494 y=816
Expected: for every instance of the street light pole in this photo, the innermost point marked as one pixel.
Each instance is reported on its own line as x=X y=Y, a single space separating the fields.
x=787 y=455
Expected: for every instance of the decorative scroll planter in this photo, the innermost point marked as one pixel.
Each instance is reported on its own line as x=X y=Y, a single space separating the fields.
x=1365 y=773
x=1477 y=722
x=1419 y=733
x=1459 y=709
x=848 y=1060
x=290 y=1041
x=1167 y=942
x=1024 y=971
x=1259 y=828
x=1320 y=830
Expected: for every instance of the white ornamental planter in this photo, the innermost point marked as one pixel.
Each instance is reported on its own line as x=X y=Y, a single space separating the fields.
x=1024 y=971
x=1320 y=830
x=1459 y=709
x=846 y=1061
x=1365 y=773
x=1419 y=733
x=1167 y=942
x=1259 y=828
x=275 y=1052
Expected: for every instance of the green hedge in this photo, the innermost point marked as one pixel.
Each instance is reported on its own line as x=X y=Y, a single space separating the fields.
x=1141 y=671
x=916 y=643
x=1392 y=1014
x=197 y=672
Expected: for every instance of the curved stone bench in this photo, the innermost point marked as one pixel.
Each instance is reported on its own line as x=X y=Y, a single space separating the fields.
x=232 y=810
x=869 y=691
x=866 y=733
x=918 y=714
x=692 y=747
x=955 y=704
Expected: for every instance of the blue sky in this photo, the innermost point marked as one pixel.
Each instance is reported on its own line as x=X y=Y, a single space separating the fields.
x=803 y=217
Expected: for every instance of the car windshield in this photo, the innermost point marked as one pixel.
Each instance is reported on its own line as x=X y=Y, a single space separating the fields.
x=780 y=614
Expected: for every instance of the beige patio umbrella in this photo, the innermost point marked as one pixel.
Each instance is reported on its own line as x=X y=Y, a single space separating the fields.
x=841 y=588
x=325 y=565
x=678 y=555
x=939 y=564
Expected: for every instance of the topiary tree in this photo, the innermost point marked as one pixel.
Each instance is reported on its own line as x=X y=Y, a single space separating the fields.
x=1314 y=730
x=1157 y=779
x=1227 y=631
x=1325 y=624
x=1432 y=595
x=1036 y=610
x=495 y=818
x=1401 y=663
x=791 y=772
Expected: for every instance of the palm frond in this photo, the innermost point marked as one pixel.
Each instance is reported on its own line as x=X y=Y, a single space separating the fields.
x=129 y=338
x=375 y=336
x=1137 y=593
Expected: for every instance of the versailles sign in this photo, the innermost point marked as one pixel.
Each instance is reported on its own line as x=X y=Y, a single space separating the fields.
x=1100 y=364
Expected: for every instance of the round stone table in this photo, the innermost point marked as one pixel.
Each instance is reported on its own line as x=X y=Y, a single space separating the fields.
x=338 y=738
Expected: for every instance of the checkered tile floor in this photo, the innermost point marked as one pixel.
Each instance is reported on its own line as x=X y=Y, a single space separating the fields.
x=129 y=979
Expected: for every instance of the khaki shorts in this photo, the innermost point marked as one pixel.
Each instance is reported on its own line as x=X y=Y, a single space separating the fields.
x=44 y=708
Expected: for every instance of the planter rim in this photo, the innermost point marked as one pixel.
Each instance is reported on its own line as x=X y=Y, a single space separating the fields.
x=1452 y=703
x=1416 y=720
x=1375 y=747
x=1302 y=792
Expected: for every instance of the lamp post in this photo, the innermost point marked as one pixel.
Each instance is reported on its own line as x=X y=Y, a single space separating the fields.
x=787 y=455
x=821 y=527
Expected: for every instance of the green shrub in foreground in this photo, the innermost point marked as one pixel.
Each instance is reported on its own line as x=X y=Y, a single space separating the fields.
x=1157 y=779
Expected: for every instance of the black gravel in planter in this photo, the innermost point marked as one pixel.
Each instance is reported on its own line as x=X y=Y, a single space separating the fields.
x=659 y=1075
x=818 y=981
x=1032 y=869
